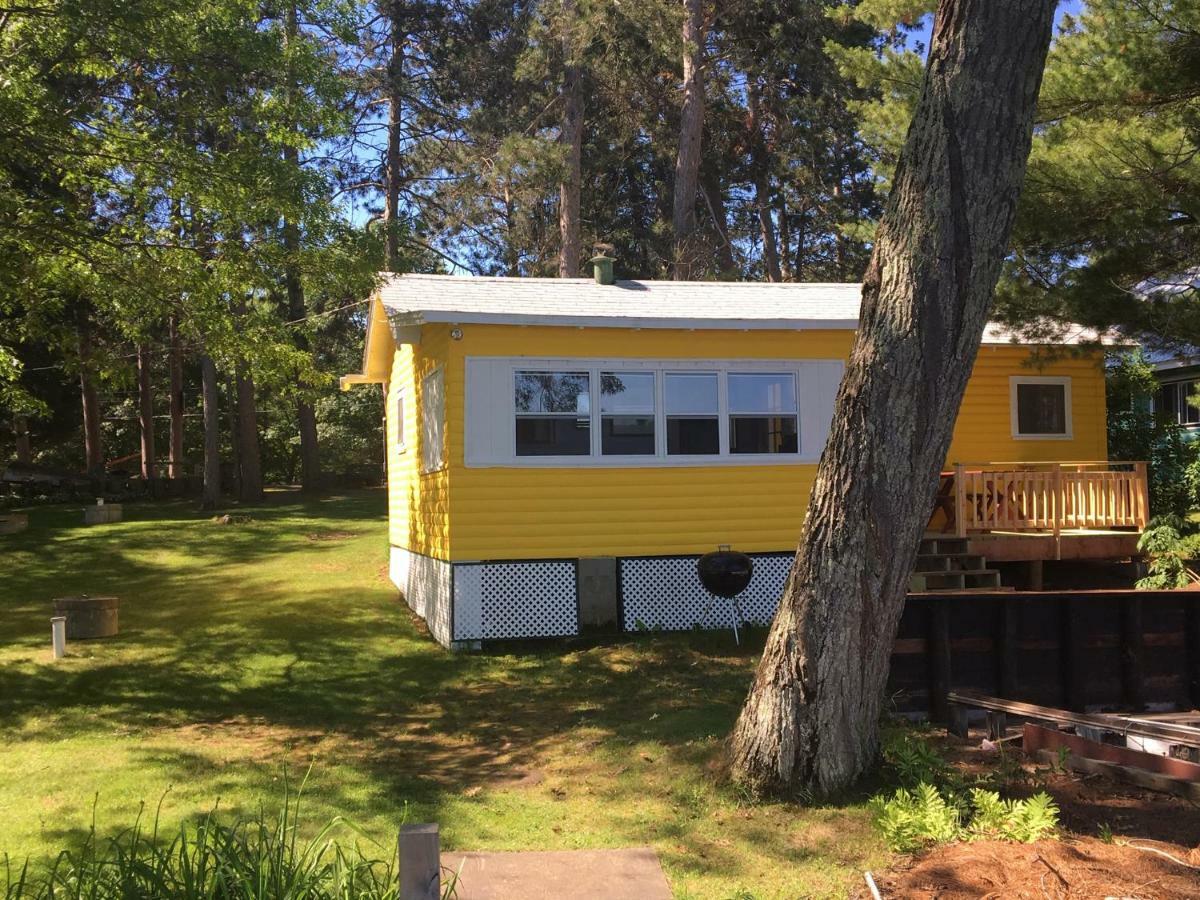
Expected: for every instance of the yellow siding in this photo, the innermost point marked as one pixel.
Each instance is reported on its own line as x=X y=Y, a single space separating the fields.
x=513 y=513
x=418 y=504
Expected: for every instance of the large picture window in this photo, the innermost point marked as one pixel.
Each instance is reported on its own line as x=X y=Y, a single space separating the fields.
x=627 y=413
x=1041 y=407
x=763 y=415
x=693 y=413
x=553 y=411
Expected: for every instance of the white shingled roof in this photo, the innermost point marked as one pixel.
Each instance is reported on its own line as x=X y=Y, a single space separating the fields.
x=744 y=305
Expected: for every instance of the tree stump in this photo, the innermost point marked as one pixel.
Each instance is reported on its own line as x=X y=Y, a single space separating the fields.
x=88 y=617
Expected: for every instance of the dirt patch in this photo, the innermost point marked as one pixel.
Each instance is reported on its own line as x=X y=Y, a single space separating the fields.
x=1085 y=867
x=329 y=535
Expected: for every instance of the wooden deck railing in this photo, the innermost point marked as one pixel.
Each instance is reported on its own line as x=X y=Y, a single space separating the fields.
x=1044 y=496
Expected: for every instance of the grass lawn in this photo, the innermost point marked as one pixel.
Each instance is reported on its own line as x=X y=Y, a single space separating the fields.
x=247 y=651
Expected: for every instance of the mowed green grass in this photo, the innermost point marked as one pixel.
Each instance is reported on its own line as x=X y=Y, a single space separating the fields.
x=250 y=653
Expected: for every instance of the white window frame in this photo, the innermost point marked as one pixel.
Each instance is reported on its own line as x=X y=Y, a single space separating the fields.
x=793 y=413
x=1065 y=380
x=433 y=422
x=490 y=420
x=1181 y=398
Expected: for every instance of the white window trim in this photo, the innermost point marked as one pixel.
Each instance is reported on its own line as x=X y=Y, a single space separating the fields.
x=810 y=446
x=1065 y=381
x=429 y=462
x=1181 y=399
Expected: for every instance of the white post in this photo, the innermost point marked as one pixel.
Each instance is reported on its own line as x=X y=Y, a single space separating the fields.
x=58 y=636
x=420 y=862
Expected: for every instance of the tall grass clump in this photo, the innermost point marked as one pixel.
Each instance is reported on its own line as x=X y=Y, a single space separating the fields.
x=262 y=857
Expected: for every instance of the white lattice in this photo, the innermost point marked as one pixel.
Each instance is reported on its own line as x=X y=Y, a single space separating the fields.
x=496 y=601
x=665 y=592
x=425 y=583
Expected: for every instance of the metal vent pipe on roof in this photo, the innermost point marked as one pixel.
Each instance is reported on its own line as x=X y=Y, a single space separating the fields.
x=602 y=268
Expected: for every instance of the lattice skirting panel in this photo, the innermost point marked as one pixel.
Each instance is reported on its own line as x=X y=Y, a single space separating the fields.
x=425 y=583
x=665 y=592
x=501 y=601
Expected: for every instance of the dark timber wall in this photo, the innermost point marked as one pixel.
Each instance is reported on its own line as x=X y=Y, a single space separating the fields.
x=1077 y=650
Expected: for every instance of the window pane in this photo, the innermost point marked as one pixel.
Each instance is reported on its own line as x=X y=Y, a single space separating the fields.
x=1041 y=409
x=552 y=392
x=627 y=392
x=627 y=435
x=693 y=436
x=553 y=436
x=691 y=393
x=1166 y=401
x=763 y=434
x=1187 y=391
x=765 y=393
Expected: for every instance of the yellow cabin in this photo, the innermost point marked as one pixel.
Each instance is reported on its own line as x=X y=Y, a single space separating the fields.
x=560 y=451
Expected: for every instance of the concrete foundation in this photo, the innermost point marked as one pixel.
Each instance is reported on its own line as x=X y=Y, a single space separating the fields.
x=597 y=590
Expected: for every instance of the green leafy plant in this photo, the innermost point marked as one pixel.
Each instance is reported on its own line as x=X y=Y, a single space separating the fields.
x=1170 y=544
x=912 y=819
x=260 y=856
x=1024 y=821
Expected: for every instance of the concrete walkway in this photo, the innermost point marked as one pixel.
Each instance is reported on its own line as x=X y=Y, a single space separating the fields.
x=632 y=874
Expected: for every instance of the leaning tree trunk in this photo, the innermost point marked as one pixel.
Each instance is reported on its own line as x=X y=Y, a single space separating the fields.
x=24 y=449
x=760 y=163
x=211 y=495
x=810 y=722
x=93 y=448
x=175 y=366
x=691 y=128
x=146 y=415
x=570 y=243
x=250 y=487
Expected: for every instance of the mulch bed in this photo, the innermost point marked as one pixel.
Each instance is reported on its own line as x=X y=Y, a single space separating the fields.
x=1150 y=847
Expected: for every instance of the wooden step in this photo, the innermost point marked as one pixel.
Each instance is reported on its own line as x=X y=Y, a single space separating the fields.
x=954 y=580
x=943 y=546
x=949 y=562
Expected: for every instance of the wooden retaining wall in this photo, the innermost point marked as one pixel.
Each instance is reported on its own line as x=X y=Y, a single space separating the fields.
x=1076 y=650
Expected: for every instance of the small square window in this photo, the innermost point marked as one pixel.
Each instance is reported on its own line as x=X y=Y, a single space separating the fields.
x=1041 y=407
x=692 y=413
x=433 y=422
x=763 y=416
x=627 y=413
x=553 y=413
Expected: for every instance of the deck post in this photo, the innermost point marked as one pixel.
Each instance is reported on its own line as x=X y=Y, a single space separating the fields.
x=938 y=644
x=960 y=501
x=1143 y=486
x=1060 y=507
x=420 y=862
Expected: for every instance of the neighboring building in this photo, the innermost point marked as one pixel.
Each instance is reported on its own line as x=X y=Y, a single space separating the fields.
x=1178 y=374
x=561 y=450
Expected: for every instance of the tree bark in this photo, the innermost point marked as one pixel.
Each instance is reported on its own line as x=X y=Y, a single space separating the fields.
x=570 y=244
x=235 y=455
x=175 y=366
x=398 y=36
x=93 y=447
x=146 y=414
x=211 y=495
x=691 y=128
x=24 y=449
x=250 y=486
x=810 y=722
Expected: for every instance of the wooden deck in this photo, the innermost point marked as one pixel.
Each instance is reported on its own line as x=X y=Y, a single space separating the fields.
x=1013 y=512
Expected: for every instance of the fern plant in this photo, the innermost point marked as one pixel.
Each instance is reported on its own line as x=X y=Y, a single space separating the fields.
x=1024 y=821
x=912 y=819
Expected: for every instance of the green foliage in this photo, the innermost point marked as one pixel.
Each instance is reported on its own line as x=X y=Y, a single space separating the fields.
x=1024 y=821
x=244 y=858
x=912 y=819
x=1171 y=544
x=935 y=804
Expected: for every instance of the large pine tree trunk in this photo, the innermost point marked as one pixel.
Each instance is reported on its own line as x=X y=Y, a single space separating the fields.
x=93 y=448
x=250 y=487
x=398 y=36
x=175 y=367
x=691 y=128
x=146 y=415
x=714 y=199
x=570 y=247
x=211 y=495
x=810 y=721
